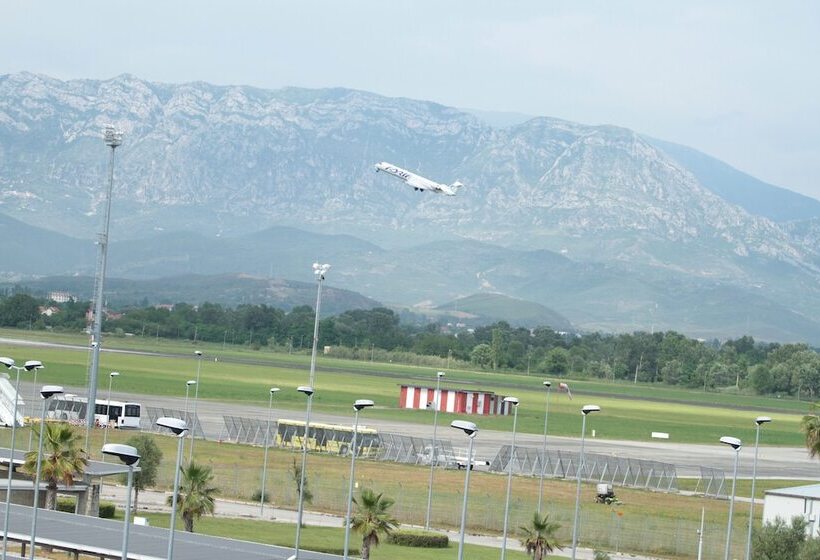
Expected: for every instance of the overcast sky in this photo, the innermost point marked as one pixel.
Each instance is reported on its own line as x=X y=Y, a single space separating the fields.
x=737 y=79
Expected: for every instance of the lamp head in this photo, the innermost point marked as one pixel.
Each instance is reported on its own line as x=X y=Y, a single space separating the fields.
x=762 y=420
x=33 y=364
x=198 y=353
x=8 y=362
x=511 y=400
x=362 y=403
x=440 y=374
x=590 y=408
x=114 y=374
x=306 y=389
x=733 y=442
x=49 y=391
x=320 y=270
x=125 y=453
x=547 y=384
x=468 y=428
x=176 y=425
x=274 y=390
x=190 y=382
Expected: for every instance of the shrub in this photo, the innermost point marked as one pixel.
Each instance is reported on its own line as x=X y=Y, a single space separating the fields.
x=257 y=496
x=419 y=539
x=107 y=510
x=68 y=505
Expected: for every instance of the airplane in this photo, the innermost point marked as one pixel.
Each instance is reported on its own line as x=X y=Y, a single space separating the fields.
x=418 y=182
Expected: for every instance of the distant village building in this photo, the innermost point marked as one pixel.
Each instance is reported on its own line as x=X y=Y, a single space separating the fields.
x=60 y=297
x=49 y=311
x=458 y=401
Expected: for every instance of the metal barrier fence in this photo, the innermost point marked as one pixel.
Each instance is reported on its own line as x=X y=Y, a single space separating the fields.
x=712 y=483
x=148 y=421
x=637 y=473
x=399 y=448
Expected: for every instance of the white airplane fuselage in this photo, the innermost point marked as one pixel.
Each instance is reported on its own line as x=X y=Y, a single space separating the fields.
x=417 y=182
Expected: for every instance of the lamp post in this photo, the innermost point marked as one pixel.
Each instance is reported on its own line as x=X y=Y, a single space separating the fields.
x=735 y=444
x=308 y=392
x=320 y=271
x=111 y=377
x=180 y=429
x=471 y=430
x=31 y=365
x=267 y=444
x=112 y=138
x=33 y=407
x=130 y=456
x=512 y=401
x=433 y=450
x=760 y=420
x=548 y=385
x=357 y=407
x=587 y=409
x=196 y=399
x=188 y=384
x=46 y=393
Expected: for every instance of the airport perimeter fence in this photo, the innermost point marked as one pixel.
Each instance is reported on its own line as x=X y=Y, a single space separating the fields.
x=712 y=483
x=148 y=422
x=618 y=471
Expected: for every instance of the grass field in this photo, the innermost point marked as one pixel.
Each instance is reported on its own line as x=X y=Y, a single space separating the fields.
x=629 y=412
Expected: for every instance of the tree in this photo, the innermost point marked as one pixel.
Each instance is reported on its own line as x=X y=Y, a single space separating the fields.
x=556 y=362
x=482 y=355
x=810 y=426
x=372 y=519
x=539 y=536
x=196 y=496
x=779 y=541
x=150 y=458
x=63 y=459
x=296 y=475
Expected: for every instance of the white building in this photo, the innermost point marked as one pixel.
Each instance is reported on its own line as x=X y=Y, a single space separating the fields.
x=798 y=501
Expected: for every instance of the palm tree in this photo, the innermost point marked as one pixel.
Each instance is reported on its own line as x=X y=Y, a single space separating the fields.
x=372 y=519
x=811 y=427
x=63 y=459
x=539 y=537
x=196 y=496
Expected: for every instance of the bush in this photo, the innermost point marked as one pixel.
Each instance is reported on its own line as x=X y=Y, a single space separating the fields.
x=419 y=539
x=107 y=510
x=257 y=496
x=68 y=505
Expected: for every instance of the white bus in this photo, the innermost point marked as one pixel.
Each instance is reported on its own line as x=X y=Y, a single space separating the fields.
x=114 y=414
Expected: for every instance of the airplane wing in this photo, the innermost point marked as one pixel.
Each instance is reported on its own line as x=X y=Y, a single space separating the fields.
x=417 y=183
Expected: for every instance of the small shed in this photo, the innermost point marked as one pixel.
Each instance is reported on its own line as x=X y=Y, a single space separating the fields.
x=797 y=501
x=459 y=401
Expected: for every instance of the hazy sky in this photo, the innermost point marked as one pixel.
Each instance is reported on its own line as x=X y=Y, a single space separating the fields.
x=738 y=79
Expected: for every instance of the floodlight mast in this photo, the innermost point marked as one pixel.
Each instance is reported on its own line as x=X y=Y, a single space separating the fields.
x=112 y=138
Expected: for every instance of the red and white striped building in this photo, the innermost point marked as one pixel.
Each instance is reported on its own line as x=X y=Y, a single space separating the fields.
x=458 y=401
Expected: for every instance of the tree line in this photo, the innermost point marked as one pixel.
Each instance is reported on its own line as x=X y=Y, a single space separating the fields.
x=659 y=357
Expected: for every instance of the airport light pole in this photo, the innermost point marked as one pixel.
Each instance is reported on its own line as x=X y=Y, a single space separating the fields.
x=513 y=402
x=308 y=392
x=548 y=385
x=31 y=365
x=320 y=271
x=33 y=407
x=196 y=400
x=587 y=409
x=180 y=429
x=273 y=390
x=111 y=377
x=760 y=420
x=471 y=430
x=433 y=450
x=188 y=384
x=130 y=456
x=112 y=138
x=357 y=407
x=735 y=444
x=46 y=393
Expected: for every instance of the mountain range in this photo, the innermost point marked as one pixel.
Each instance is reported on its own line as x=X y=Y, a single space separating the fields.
x=609 y=228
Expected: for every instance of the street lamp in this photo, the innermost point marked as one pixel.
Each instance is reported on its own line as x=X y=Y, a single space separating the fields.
x=471 y=430
x=188 y=384
x=196 y=398
x=267 y=444
x=308 y=392
x=180 y=429
x=130 y=456
x=548 y=385
x=46 y=393
x=33 y=406
x=357 y=406
x=760 y=420
x=31 y=365
x=512 y=401
x=320 y=271
x=111 y=377
x=112 y=138
x=735 y=444
x=433 y=450
x=587 y=409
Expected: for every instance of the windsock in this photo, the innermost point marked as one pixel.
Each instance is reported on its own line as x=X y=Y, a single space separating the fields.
x=565 y=387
